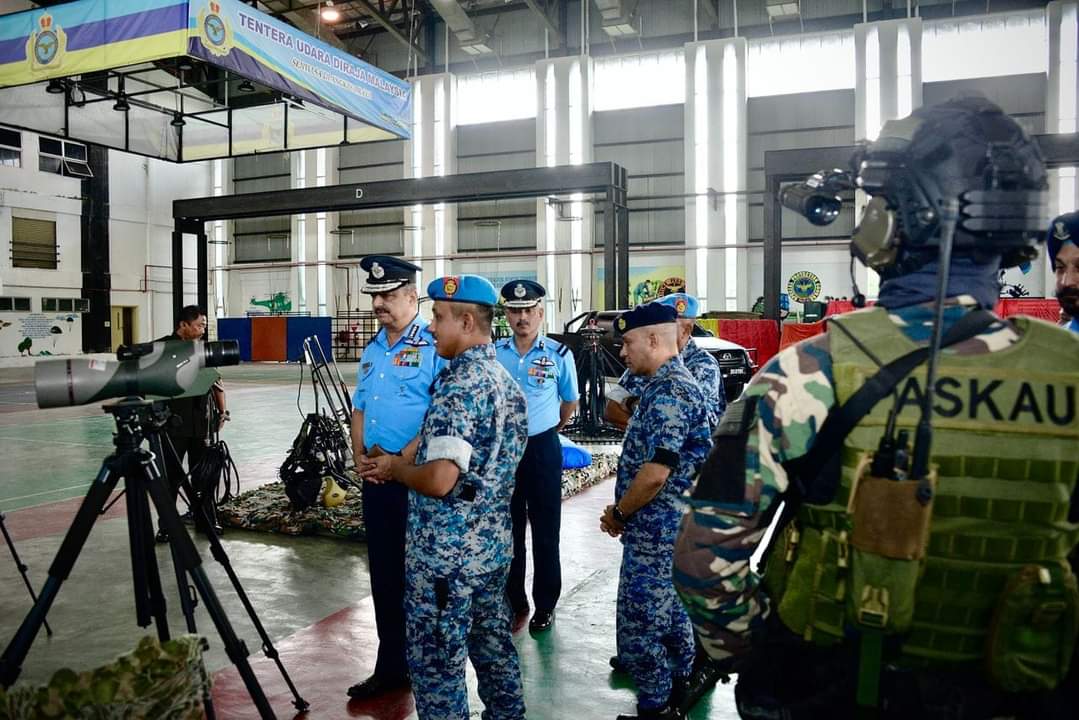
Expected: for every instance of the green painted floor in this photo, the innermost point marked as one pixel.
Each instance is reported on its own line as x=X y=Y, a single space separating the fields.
x=296 y=584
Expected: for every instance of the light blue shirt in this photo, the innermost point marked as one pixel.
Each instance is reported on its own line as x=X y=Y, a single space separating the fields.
x=546 y=374
x=393 y=388
x=1074 y=325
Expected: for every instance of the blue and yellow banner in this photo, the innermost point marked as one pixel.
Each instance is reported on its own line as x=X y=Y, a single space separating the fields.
x=89 y=35
x=236 y=37
x=93 y=35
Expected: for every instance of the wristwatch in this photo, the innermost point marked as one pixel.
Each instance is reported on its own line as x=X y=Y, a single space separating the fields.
x=618 y=515
x=226 y=415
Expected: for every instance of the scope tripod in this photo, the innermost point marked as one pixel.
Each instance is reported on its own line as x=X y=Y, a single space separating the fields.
x=138 y=420
x=592 y=366
x=21 y=567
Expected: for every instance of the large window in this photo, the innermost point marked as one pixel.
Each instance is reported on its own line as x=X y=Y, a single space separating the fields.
x=79 y=305
x=800 y=64
x=14 y=304
x=1002 y=44
x=63 y=157
x=644 y=80
x=496 y=96
x=33 y=243
x=10 y=147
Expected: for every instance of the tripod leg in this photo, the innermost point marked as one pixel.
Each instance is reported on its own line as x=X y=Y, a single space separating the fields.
x=149 y=596
x=22 y=568
x=96 y=497
x=187 y=557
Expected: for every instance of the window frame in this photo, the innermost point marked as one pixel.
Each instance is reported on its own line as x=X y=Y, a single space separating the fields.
x=67 y=162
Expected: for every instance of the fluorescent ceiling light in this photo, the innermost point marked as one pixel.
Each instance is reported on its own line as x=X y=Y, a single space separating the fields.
x=330 y=13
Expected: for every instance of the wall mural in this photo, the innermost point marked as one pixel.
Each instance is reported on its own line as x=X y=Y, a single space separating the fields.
x=646 y=283
x=276 y=304
x=40 y=334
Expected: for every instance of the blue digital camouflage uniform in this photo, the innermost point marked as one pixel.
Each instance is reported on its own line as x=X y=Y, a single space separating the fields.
x=655 y=638
x=459 y=546
x=704 y=369
x=795 y=391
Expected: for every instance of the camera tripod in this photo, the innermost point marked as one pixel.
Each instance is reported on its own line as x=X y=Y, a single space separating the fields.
x=21 y=567
x=592 y=366
x=138 y=420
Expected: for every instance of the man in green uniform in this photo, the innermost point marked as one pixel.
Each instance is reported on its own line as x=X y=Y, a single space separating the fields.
x=948 y=594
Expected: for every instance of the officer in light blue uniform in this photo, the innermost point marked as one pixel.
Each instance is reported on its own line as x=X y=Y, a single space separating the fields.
x=545 y=370
x=459 y=542
x=392 y=395
x=666 y=442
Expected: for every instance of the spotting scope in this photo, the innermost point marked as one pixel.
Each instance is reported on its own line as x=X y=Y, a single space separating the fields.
x=166 y=368
x=817 y=198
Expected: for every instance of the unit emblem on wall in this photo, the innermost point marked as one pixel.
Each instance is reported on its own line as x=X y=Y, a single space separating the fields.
x=46 y=45
x=214 y=32
x=804 y=286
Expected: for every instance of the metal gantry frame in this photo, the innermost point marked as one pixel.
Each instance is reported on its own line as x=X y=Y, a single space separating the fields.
x=606 y=179
x=780 y=166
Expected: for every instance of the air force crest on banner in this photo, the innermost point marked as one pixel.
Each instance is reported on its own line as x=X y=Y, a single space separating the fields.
x=377 y=271
x=1060 y=231
x=214 y=32
x=46 y=45
x=519 y=291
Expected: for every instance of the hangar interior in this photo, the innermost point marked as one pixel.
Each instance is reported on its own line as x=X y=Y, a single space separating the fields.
x=687 y=96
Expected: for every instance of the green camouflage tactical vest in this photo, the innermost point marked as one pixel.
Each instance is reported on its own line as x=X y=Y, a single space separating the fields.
x=1006 y=445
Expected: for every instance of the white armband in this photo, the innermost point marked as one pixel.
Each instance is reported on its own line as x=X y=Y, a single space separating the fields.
x=447 y=447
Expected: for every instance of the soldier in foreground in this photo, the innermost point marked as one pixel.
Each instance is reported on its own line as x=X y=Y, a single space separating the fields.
x=889 y=592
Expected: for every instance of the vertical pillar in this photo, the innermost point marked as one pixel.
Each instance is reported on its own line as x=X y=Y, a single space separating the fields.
x=888 y=85
x=177 y=273
x=564 y=225
x=430 y=235
x=1061 y=113
x=202 y=269
x=715 y=173
x=96 y=276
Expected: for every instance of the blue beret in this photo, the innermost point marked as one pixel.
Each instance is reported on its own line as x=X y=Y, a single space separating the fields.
x=684 y=304
x=463 y=288
x=386 y=273
x=1063 y=230
x=522 y=293
x=652 y=313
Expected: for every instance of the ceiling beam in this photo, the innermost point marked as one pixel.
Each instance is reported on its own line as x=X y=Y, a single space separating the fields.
x=555 y=35
x=390 y=27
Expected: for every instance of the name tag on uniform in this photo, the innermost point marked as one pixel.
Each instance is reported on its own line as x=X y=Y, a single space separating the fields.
x=408 y=357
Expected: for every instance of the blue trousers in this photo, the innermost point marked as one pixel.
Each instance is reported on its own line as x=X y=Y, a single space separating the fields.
x=537 y=500
x=655 y=637
x=385 y=515
x=449 y=622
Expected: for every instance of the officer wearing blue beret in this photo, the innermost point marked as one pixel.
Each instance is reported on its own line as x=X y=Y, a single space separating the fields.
x=666 y=442
x=700 y=364
x=545 y=370
x=460 y=480
x=1063 y=253
x=392 y=395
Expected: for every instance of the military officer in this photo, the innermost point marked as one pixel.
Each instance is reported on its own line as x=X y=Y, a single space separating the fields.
x=545 y=370
x=393 y=392
x=459 y=482
x=665 y=443
x=905 y=597
x=700 y=364
x=1064 y=257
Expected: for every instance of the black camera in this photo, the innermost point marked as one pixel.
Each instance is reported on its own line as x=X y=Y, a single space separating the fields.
x=817 y=198
x=166 y=368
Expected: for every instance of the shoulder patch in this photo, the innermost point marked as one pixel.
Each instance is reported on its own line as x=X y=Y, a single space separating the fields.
x=563 y=349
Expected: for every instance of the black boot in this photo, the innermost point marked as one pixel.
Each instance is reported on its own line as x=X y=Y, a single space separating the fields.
x=704 y=677
x=664 y=713
x=679 y=689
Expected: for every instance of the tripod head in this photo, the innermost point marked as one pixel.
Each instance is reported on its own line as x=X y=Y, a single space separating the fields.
x=136 y=417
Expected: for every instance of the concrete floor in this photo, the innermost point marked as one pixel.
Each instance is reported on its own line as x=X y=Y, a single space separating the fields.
x=312 y=594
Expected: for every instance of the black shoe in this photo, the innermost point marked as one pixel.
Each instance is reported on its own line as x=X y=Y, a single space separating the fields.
x=617 y=665
x=541 y=621
x=664 y=713
x=703 y=678
x=162 y=536
x=377 y=685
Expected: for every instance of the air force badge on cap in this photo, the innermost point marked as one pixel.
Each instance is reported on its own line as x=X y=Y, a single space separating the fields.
x=463 y=288
x=386 y=273
x=1063 y=230
x=684 y=304
x=522 y=294
x=652 y=313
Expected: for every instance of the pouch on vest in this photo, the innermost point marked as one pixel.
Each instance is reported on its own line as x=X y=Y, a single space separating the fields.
x=815 y=584
x=1033 y=634
x=889 y=538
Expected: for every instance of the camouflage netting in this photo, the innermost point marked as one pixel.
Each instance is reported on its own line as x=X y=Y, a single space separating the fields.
x=266 y=508
x=154 y=681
